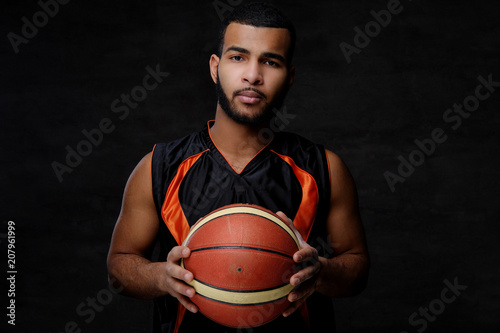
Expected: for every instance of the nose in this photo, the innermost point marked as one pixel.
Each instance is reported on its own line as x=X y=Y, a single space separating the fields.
x=252 y=73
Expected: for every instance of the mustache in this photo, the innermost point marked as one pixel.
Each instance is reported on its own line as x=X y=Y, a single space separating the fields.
x=261 y=94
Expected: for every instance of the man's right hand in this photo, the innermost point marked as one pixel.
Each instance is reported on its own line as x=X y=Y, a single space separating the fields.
x=177 y=278
x=133 y=238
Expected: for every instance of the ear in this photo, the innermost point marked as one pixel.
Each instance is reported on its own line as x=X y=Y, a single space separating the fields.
x=291 y=76
x=214 y=67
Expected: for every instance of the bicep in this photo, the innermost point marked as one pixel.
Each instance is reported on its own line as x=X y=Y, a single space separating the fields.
x=137 y=225
x=344 y=222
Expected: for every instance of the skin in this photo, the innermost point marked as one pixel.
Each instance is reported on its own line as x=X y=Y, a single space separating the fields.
x=252 y=58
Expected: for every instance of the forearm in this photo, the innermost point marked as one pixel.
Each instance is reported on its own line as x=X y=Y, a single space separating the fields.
x=343 y=275
x=137 y=276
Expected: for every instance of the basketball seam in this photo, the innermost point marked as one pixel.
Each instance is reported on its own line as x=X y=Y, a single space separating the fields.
x=241 y=304
x=241 y=291
x=226 y=294
x=236 y=247
x=245 y=213
x=210 y=218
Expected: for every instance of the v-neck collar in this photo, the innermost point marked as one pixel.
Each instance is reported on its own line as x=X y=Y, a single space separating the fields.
x=223 y=160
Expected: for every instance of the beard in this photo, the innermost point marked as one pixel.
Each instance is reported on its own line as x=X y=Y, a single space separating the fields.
x=263 y=116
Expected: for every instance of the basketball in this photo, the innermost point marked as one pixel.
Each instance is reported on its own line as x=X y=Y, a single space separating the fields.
x=241 y=259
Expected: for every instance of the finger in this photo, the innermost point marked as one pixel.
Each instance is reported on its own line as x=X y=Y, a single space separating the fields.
x=182 y=292
x=178 y=252
x=305 y=253
x=295 y=231
x=284 y=217
x=186 y=302
x=304 y=275
x=179 y=273
x=179 y=286
x=303 y=292
x=297 y=298
x=293 y=307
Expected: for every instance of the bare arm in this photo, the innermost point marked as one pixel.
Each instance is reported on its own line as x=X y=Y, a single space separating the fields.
x=344 y=274
x=133 y=237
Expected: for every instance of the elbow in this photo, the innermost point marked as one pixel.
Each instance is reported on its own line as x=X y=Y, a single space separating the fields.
x=114 y=282
x=115 y=285
x=361 y=279
x=359 y=285
x=352 y=282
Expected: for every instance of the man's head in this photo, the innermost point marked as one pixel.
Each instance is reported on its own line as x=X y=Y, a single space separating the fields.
x=259 y=15
x=253 y=70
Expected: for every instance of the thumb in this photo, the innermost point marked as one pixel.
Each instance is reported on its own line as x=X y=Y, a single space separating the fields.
x=289 y=222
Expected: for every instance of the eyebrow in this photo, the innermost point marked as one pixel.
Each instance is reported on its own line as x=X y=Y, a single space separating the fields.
x=237 y=49
x=274 y=56
x=271 y=55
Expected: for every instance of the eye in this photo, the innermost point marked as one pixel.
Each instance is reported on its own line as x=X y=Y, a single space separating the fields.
x=271 y=63
x=236 y=58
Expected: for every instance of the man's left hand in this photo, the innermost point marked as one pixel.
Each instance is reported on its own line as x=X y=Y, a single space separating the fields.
x=307 y=258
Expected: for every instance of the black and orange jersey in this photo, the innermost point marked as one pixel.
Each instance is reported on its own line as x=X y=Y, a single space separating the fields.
x=191 y=178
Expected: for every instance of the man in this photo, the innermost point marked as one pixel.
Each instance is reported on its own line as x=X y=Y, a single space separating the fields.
x=229 y=162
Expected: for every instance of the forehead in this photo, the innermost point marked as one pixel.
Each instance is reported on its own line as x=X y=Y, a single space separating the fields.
x=257 y=39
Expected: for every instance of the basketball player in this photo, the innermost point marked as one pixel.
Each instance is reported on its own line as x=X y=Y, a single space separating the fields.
x=229 y=162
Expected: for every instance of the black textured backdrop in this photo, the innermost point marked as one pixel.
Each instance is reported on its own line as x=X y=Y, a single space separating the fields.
x=440 y=224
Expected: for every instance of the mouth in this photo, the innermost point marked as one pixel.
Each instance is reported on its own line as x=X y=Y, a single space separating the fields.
x=250 y=96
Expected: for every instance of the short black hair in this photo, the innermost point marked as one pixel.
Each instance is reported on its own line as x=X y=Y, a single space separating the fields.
x=259 y=14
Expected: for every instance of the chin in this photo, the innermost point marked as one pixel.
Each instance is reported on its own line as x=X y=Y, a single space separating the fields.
x=249 y=117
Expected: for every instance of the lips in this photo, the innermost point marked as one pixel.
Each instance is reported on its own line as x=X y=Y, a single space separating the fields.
x=249 y=96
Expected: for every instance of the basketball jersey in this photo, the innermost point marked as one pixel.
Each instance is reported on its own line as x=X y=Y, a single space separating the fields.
x=191 y=178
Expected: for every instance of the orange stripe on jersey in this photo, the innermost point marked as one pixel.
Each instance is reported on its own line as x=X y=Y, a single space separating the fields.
x=151 y=169
x=305 y=315
x=181 y=310
x=310 y=197
x=174 y=217
x=171 y=211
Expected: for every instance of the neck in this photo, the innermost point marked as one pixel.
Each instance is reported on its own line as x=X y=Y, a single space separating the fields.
x=237 y=142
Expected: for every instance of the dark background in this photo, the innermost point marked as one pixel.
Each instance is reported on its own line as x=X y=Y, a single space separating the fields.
x=441 y=223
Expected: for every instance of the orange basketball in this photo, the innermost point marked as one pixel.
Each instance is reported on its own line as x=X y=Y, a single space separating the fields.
x=241 y=259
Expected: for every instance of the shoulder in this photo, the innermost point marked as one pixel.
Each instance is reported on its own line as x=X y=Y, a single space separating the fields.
x=292 y=140
x=306 y=154
x=175 y=151
x=175 y=146
x=297 y=146
x=342 y=182
x=336 y=165
x=334 y=161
